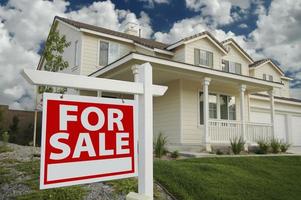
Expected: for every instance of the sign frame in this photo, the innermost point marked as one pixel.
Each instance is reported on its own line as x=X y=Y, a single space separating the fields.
x=89 y=99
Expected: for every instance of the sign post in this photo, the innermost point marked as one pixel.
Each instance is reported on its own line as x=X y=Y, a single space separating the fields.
x=84 y=120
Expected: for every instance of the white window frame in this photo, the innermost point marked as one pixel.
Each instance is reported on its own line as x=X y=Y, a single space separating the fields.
x=109 y=47
x=233 y=62
x=218 y=94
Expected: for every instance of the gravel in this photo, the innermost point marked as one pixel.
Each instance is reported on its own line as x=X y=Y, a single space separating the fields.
x=96 y=191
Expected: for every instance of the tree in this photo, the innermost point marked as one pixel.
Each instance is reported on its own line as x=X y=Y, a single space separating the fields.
x=52 y=56
x=1 y=119
x=14 y=129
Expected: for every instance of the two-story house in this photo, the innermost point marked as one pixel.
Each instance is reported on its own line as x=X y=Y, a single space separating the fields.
x=216 y=91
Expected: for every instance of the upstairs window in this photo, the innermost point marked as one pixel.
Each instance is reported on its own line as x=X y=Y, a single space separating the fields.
x=268 y=77
x=202 y=57
x=232 y=67
x=103 y=53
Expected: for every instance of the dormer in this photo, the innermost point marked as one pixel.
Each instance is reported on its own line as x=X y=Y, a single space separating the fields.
x=237 y=60
x=201 y=50
x=266 y=69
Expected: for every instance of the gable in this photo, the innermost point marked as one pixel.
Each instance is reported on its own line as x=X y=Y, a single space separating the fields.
x=269 y=69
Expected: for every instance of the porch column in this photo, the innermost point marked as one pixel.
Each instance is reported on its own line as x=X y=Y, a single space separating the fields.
x=206 y=83
x=272 y=109
x=242 y=113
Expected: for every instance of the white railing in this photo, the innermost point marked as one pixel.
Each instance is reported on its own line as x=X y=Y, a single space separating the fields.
x=222 y=131
x=258 y=131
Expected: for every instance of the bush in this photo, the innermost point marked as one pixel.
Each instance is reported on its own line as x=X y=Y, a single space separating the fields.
x=5 y=137
x=284 y=146
x=275 y=145
x=219 y=152
x=160 y=146
x=125 y=186
x=174 y=154
x=263 y=146
x=237 y=145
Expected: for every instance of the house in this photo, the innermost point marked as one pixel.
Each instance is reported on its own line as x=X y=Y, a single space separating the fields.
x=216 y=91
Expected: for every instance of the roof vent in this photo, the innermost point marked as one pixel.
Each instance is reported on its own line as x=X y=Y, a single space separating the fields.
x=132 y=29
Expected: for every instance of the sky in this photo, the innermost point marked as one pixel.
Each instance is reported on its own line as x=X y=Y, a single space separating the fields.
x=265 y=29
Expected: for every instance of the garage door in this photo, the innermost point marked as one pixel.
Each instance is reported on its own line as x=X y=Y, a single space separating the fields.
x=265 y=117
x=296 y=130
x=280 y=127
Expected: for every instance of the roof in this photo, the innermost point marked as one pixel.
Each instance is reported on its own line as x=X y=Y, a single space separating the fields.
x=239 y=47
x=143 y=41
x=281 y=98
x=262 y=61
x=186 y=39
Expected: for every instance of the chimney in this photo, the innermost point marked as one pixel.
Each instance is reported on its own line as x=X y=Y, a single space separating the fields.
x=132 y=29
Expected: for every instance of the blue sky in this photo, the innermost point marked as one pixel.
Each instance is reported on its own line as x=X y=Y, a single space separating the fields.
x=264 y=28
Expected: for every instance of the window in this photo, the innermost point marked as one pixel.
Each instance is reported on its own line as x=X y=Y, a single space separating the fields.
x=226 y=104
x=212 y=107
x=232 y=67
x=103 y=53
x=267 y=77
x=76 y=56
x=270 y=78
x=202 y=57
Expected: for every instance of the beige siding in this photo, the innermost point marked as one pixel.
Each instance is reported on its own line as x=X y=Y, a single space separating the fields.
x=90 y=52
x=72 y=35
x=167 y=113
x=235 y=56
x=269 y=70
x=285 y=91
x=204 y=44
x=179 y=54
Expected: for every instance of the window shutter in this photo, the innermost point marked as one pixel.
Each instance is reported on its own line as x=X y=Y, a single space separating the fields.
x=226 y=65
x=270 y=78
x=103 y=53
x=210 y=58
x=196 y=56
x=264 y=76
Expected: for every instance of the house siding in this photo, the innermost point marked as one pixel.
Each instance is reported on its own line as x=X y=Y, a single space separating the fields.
x=167 y=113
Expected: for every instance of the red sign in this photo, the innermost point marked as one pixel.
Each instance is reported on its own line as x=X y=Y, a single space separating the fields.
x=87 y=139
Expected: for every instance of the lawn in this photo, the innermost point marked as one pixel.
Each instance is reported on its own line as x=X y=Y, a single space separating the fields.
x=234 y=178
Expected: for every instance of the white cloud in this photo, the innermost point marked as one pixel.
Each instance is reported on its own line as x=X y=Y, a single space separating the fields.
x=243 y=26
x=24 y=26
x=151 y=3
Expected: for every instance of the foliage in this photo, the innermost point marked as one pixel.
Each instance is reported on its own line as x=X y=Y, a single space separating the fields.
x=237 y=145
x=5 y=137
x=4 y=175
x=14 y=129
x=219 y=152
x=275 y=145
x=284 y=146
x=1 y=119
x=160 y=146
x=263 y=146
x=174 y=154
x=52 y=55
x=231 y=178
x=125 y=186
x=4 y=148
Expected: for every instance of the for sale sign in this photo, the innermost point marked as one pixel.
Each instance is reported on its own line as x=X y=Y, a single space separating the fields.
x=87 y=139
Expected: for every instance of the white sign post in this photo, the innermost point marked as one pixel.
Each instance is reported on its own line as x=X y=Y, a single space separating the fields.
x=143 y=88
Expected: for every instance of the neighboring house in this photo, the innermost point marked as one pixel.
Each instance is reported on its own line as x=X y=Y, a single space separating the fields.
x=216 y=91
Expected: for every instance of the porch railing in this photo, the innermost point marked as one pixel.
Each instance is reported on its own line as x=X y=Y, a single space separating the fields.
x=222 y=131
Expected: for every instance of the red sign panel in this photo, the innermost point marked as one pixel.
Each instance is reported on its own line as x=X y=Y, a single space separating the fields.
x=87 y=139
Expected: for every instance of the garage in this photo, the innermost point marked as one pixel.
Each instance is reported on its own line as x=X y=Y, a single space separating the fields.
x=265 y=117
x=296 y=130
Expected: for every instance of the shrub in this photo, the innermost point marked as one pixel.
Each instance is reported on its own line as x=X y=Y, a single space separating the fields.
x=174 y=154
x=219 y=152
x=237 y=145
x=125 y=186
x=284 y=146
x=5 y=137
x=263 y=146
x=160 y=146
x=275 y=145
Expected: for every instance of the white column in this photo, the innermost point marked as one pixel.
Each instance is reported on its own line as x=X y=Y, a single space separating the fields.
x=272 y=108
x=135 y=72
x=242 y=113
x=145 y=128
x=99 y=93
x=206 y=83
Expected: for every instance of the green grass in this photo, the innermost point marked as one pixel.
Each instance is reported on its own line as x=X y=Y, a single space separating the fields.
x=4 y=175
x=237 y=178
x=4 y=148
